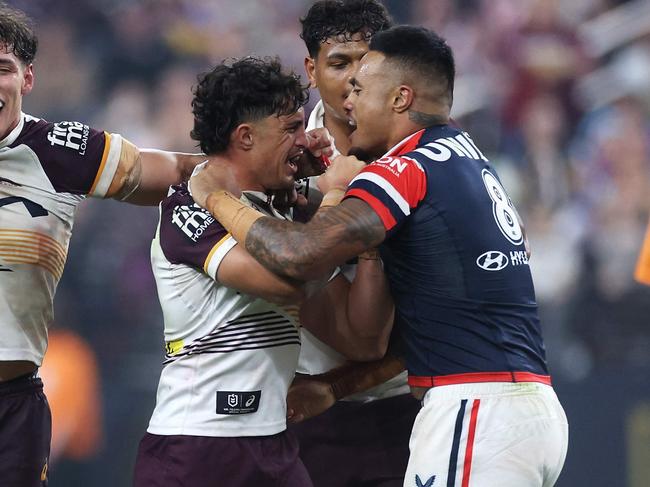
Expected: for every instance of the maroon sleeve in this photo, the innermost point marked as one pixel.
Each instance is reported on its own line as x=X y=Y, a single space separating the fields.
x=188 y=233
x=70 y=153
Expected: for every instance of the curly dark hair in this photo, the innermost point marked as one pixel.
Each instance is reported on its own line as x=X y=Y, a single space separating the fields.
x=238 y=91
x=17 y=34
x=419 y=51
x=335 y=18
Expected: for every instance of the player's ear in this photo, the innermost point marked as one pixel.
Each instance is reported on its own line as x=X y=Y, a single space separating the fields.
x=242 y=136
x=28 y=80
x=402 y=98
x=310 y=69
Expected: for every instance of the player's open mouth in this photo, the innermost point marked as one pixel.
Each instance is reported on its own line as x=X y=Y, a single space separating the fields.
x=293 y=161
x=2 y=104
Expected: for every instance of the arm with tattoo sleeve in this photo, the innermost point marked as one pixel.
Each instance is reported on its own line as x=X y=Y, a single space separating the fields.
x=307 y=251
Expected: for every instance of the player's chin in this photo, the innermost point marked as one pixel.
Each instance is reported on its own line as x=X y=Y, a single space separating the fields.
x=287 y=183
x=360 y=153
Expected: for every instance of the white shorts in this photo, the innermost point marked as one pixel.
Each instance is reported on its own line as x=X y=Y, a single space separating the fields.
x=495 y=434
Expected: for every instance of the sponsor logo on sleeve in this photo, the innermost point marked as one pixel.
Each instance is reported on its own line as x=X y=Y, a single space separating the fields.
x=238 y=402
x=393 y=164
x=192 y=220
x=73 y=135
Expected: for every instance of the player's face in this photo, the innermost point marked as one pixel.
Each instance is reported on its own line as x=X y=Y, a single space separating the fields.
x=369 y=105
x=330 y=72
x=279 y=144
x=16 y=80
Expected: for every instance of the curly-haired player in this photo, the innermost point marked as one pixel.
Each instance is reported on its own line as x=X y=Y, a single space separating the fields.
x=231 y=326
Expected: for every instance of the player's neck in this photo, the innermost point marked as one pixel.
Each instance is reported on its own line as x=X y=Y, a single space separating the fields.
x=340 y=130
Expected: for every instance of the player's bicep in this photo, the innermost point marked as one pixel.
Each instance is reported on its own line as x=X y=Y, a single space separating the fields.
x=128 y=173
x=144 y=176
x=319 y=312
x=239 y=270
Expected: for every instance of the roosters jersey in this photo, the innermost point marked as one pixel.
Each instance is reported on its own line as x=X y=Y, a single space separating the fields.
x=230 y=356
x=317 y=357
x=46 y=169
x=455 y=257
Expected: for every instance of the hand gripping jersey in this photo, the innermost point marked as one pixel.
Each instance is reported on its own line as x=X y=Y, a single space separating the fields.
x=317 y=357
x=230 y=356
x=455 y=258
x=46 y=169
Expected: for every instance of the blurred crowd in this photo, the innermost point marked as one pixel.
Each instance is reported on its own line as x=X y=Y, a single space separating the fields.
x=556 y=94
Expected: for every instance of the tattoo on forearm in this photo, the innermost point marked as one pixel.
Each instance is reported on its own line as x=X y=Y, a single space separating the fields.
x=293 y=249
x=426 y=119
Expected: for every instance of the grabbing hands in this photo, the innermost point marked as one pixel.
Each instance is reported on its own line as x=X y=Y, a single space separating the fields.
x=319 y=149
x=213 y=177
x=308 y=396
x=341 y=171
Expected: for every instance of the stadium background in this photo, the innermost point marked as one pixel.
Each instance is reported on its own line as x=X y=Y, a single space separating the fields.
x=557 y=94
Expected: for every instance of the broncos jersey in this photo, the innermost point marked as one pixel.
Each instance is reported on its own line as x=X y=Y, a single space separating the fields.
x=230 y=356
x=455 y=258
x=46 y=169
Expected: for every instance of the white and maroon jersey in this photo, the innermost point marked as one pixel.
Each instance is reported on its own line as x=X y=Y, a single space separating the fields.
x=230 y=357
x=317 y=357
x=46 y=169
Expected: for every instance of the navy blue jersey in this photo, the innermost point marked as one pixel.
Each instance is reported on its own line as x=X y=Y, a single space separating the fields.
x=455 y=257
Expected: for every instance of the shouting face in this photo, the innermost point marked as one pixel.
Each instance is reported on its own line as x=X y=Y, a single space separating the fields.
x=370 y=107
x=279 y=144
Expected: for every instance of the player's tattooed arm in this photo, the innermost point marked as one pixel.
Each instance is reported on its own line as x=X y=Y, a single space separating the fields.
x=307 y=251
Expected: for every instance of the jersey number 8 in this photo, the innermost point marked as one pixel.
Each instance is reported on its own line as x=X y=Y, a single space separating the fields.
x=502 y=209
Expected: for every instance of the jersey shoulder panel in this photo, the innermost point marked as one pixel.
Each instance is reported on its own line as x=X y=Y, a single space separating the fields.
x=73 y=155
x=392 y=186
x=190 y=235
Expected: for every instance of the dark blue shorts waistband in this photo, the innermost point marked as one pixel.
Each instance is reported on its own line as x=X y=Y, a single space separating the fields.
x=24 y=383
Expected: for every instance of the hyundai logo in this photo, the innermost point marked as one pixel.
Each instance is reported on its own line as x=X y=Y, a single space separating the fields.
x=492 y=260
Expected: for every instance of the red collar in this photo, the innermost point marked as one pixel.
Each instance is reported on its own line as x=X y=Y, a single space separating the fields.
x=406 y=145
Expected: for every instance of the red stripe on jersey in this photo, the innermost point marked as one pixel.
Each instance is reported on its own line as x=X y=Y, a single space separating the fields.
x=476 y=377
x=467 y=466
x=407 y=145
x=408 y=179
x=379 y=208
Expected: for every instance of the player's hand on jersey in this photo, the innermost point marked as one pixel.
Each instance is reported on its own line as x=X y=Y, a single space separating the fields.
x=315 y=159
x=308 y=396
x=339 y=174
x=213 y=177
x=288 y=198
